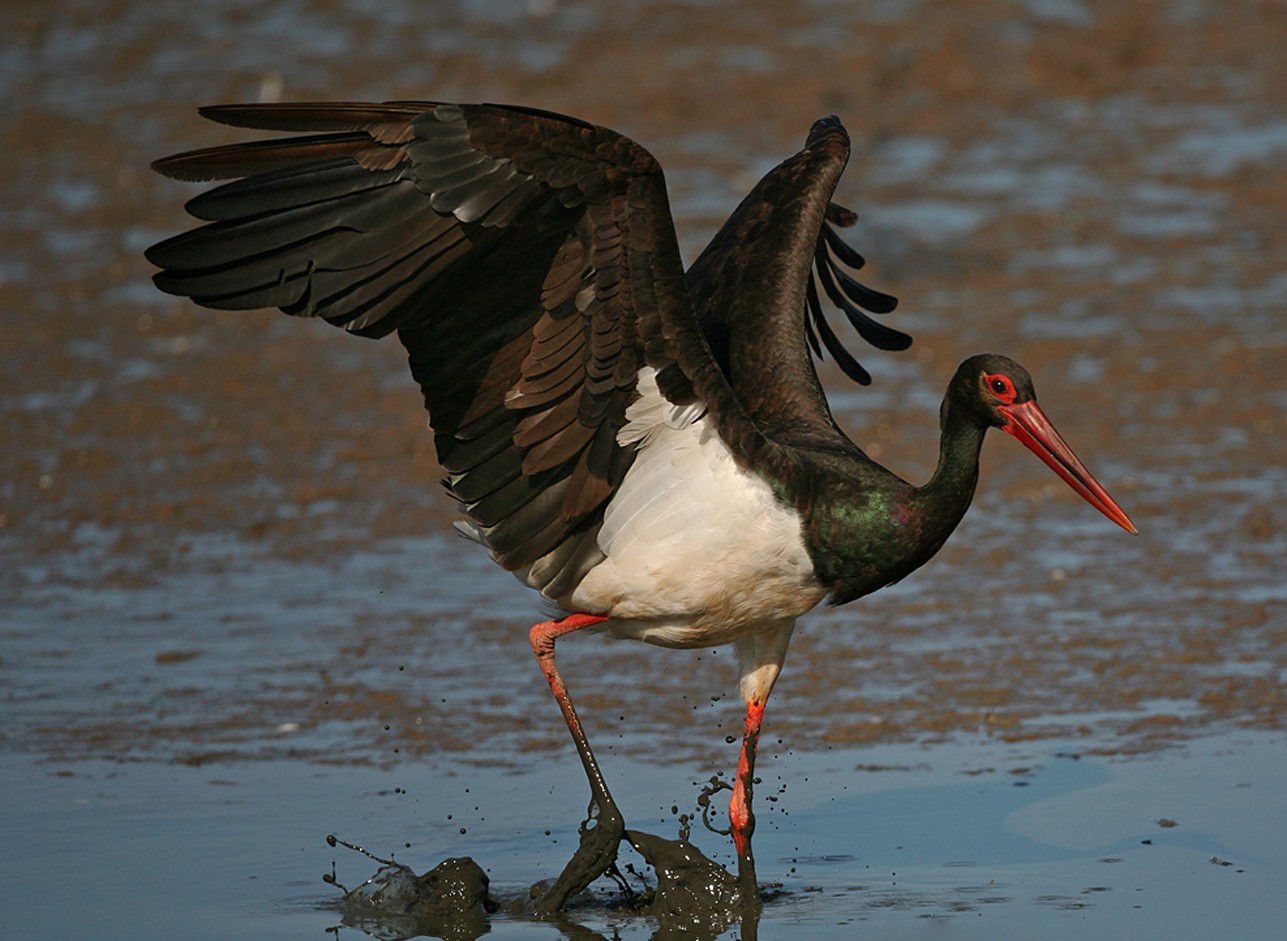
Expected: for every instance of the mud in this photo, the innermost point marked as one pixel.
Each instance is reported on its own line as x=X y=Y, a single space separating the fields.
x=450 y=901
x=688 y=895
x=223 y=556
x=692 y=892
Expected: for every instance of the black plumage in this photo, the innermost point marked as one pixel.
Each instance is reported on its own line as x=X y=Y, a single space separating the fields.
x=528 y=263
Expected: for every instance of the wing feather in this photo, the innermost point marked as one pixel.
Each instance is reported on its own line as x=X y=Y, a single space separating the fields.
x=527 y=262
x=761 y=309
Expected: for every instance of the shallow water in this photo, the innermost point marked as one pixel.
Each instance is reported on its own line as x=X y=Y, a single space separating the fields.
x=976 y=839
x=233 y=618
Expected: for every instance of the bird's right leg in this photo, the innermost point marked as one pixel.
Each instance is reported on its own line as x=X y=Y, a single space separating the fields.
x=760 y=656
x=741 y=819
x=604 y=827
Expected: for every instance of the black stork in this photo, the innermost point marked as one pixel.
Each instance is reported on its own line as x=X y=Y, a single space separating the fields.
x=649 y=449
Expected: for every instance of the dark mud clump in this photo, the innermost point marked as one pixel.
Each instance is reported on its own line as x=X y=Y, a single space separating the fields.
x=693 y=896
x=691 y=889
x=450 y=901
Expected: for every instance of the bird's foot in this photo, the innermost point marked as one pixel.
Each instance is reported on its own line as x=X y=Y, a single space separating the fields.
x=601 y=834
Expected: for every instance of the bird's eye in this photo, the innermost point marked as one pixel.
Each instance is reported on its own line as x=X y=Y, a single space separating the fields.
x=1000 y=386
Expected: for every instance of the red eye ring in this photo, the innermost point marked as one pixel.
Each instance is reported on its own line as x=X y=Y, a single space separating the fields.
x=1001 y=386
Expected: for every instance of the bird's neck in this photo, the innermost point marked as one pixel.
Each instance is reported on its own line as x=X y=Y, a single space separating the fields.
x=872 y=529
x=945 y=497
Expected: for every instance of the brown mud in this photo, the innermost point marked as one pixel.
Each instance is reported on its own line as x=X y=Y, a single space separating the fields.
x=1094 y=192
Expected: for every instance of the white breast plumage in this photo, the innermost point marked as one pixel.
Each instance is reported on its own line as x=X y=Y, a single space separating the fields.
x=697 y=550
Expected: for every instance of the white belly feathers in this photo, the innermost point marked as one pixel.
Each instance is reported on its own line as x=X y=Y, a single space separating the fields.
x=697 y=550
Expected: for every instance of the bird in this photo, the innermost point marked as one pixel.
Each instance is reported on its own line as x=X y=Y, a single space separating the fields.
x=648 y=447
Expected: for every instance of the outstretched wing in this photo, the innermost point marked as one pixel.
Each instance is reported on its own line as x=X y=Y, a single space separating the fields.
x=755 y=290
x=527 y=261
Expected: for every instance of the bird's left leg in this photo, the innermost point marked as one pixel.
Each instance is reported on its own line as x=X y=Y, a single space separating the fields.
x=761 y=657
x=605 y=826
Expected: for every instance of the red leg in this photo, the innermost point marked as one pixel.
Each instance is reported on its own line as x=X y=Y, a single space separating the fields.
x=741 y=819
x=604 y=826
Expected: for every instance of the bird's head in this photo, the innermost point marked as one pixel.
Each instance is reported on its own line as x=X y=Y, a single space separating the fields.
x=987 y=388
x=996 y=392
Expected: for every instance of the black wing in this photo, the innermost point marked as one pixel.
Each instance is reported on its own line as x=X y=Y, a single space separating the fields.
x=527 y=261
x=755 y=290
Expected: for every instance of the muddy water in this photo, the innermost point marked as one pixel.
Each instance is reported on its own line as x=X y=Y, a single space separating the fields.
x=233 y=619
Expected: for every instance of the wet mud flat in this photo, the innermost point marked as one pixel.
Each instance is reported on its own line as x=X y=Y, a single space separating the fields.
x=210 y=752
x=980 y=839
x=233 y=619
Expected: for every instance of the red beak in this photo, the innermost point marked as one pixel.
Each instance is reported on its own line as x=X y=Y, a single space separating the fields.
x=1030 y=425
